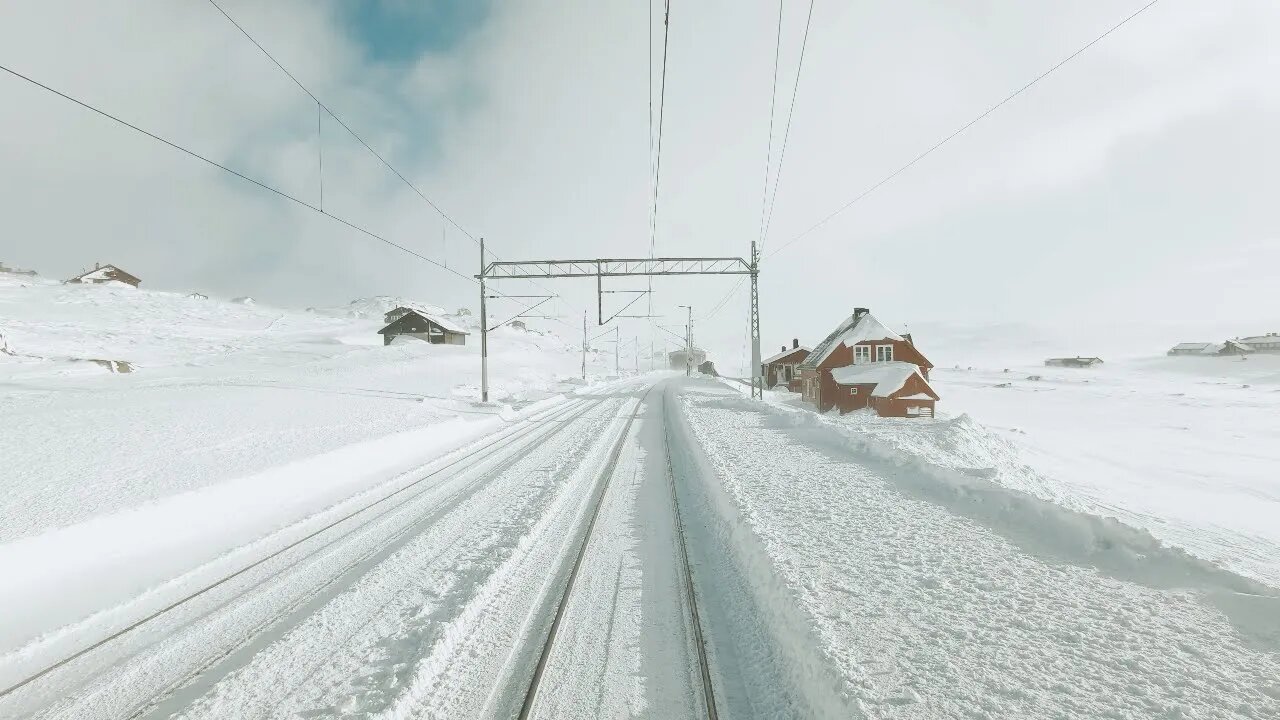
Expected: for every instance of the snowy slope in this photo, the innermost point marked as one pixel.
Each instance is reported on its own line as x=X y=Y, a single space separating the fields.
x=219 y=392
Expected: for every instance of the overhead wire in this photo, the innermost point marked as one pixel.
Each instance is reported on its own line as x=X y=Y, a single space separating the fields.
x=360 y=139
x=773 y=101
x=888 y=178
x=786 y=134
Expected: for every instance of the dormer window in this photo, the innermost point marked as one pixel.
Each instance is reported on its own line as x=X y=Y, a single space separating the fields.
x=861 y=354
x=884 y=353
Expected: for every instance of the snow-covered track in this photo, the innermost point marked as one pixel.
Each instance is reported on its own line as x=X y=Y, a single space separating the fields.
x=684 y=572
x=57 y=684
x=535 y=681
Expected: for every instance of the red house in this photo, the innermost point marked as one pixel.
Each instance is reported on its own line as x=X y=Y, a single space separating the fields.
x=782 y=369
x=863 y=364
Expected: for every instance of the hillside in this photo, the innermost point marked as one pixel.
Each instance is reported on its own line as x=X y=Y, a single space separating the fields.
x=221 y=391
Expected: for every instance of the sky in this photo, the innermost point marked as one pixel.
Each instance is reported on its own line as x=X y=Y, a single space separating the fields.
x=1133 y=187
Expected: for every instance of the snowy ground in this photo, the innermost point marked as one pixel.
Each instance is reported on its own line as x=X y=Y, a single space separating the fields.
x=894 y=590
x=273 y=515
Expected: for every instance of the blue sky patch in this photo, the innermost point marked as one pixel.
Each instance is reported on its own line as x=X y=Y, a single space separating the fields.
x=402 y=30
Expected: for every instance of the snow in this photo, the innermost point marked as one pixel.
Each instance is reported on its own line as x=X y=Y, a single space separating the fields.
x=917 y=590
x=917 y=396
x=850 y=333
x=1196 y=346
x=784 y=353
x=889 y=377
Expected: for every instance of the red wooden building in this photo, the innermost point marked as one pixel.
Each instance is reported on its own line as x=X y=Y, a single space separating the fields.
x=782 y=369
x=863 y=364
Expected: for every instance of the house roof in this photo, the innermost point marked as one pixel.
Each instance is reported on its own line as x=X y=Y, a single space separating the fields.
x=850 y=332
x=445 y=324
x=1260 y=339
x=1191 y=346
x=104 y=274
x=784 y=353
x=1239 y=345
x=888 y=377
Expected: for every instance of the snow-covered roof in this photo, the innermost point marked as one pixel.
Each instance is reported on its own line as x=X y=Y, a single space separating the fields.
x=917 y=396
x=1191 y=346
x=1239 y=345
x=784 y=353
x=889 y=377
x=445 y=323
x=103 y=273
x=1268 y=339
x=850 y=332
x=1212 y=348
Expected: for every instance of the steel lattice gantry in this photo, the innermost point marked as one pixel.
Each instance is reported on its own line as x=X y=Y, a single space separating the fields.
x=617 y=267
x=601 y=268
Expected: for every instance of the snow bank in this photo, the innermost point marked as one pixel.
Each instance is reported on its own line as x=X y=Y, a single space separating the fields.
x=944 y=475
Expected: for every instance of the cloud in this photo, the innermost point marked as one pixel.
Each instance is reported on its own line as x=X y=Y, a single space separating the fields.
x=529 y=124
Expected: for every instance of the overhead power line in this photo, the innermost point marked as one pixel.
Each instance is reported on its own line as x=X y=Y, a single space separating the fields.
x=773 y=101
x=220 y=166
x=662 y=112
x=786 y=134
x=888 y=178
x=213 y=163
x=343 y=123
x=320 y=104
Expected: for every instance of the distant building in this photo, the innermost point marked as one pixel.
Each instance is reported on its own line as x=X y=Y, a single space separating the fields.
x=782 y=369
x=1269 y=343
x=863 y=364
x=1192 y=348
x=105 y=274
x=1074 y=362
x=1230 y=347
x=15 y=271
x=678 y=358
x=422 y=325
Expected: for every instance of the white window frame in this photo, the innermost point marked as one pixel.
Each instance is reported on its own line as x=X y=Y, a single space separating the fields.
x=861 y=350
x=880 y=352
x=853 y=391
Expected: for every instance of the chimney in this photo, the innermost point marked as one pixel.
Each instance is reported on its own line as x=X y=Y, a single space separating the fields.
x=795 y=343
x=784 y=348
x=858 y=313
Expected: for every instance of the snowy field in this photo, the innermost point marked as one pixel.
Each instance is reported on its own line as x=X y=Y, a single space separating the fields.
x=273 y=515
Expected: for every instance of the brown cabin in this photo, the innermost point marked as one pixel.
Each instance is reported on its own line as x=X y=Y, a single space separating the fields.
x=424 y=326
x=105 y=274
x=783 y=368
x=894 y=382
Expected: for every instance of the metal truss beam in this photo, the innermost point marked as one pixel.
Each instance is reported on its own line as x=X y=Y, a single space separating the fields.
x=615 y=267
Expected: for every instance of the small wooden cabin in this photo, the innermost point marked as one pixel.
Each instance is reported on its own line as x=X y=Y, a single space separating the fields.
x=424 y=326
x=1075 y=362
x=783 y=368
x=105 y=274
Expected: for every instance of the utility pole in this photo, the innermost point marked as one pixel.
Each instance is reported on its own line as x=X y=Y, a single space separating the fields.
x=617 y=351
x=757 y=382
x=688 y=342
x=584 y=344
x=484 y=334
x=637 y=342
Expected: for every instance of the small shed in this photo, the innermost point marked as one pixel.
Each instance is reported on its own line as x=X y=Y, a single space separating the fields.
x=782 y=368
x=1075 y=362
x=1191 y=348
x=105 y=274
x=892 y=389
x=424 y=326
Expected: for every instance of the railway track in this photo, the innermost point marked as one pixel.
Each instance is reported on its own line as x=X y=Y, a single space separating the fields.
x=528 y=707
x=59 y=682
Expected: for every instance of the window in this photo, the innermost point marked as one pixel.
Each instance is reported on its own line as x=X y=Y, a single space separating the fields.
x=861 y=354
x=853 y=391
x=884 y=353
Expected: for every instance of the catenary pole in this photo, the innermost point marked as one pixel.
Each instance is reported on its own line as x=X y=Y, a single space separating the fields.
x=757 y=382
x=484 y=334
x=584 y=344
